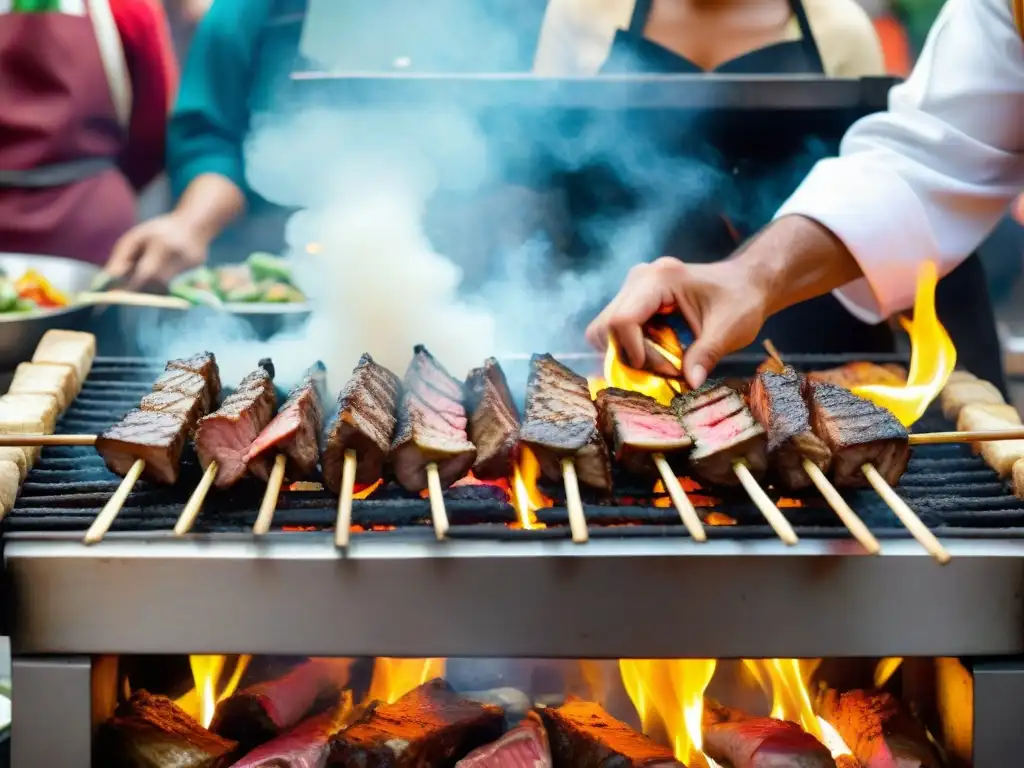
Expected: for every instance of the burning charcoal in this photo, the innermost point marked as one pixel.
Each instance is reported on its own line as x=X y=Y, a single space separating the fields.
x=295 y=431
x=188 y=407
x=226 y=435
x=429 y=726
x=156 y=438
x=153 y=732
x=724 y=432
x=858 y=432
x=561 y=421
x=512 y=701
x=741 y=741
x=582 y=735
x=263 y=711
x=777 y=402
x=860 y=374
x=493 y=421
x=879 y=731
x=431 y=426
x=526 y=745
x=204 y=364
x=365 y=422
x=304 y=746
x=637 y=426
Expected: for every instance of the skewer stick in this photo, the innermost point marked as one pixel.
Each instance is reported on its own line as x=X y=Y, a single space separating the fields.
x=195 y=501
x=775 y=518
x=437 y=511
x=906 y=515
x=343 y=526
x=850 y=519
x=573 y=502
x=772 y=351
x=682 y=503
x=980 y=436
x=28 y=441
x=112 y=508
x=269 y=503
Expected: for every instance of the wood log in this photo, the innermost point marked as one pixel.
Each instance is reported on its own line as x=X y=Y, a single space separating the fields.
x=742 y=741
x=879 y=730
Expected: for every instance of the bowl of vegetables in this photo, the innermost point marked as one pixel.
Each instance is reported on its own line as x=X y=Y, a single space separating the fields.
x=261 y=285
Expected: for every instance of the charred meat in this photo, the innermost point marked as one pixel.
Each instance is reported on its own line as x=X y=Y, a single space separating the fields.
x=431 y=725
x=857 y=432
x=365 y=423
x=638 y=426
x=561 y=422
x=156 y=438
x=879 y=731
x=723 y=431
x=493 y=421
x=295 y=431
x=187 y=383
x=777 y=402
x=205 y=364
x=525 y=746
x=188 y=407
x=431 y=426
x=226 y=435
x=583 y=735
x=741 y=741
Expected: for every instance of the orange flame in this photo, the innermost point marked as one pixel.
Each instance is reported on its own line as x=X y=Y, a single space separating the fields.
x=886 y=669
x=526 y=496
x=202 y=701
x=363 y=493
x=393 y=678
x=932 y=357
x=618 y=374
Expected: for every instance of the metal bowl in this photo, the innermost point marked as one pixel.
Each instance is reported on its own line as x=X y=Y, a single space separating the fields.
x=20 y=332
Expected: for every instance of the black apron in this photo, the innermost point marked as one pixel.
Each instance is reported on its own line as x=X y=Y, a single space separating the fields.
x=821 y=325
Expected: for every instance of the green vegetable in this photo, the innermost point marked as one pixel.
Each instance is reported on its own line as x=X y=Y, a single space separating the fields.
x=244 y=294
x=8 y=295
x=266 y=266
x=24 y=305
x=197 y=296
x=282 y=293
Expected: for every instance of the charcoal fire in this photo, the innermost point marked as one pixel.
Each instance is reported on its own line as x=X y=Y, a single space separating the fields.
x=304 y=746
x=526 y=745
x=879 y=730
x=742 y=741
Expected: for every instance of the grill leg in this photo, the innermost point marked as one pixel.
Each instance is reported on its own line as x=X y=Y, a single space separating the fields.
x=998 y=697
x=51 y=712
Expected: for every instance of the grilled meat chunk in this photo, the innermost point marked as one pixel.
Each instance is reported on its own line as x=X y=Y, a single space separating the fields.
x=295 y=431
x=493 y=421
x=638 y=426
x=431 y=426
x=741 y=741
x=723 y=431
x=525 y=746
x=226 y=435
x=205 y=364
x=879 y=731
x=365 y=423
x=561 y=421
x=185 y=382
x=429 y=726
x=583 y=735
x=857 y=432
x=188 y=407
x=777 y=402
x=155 y=437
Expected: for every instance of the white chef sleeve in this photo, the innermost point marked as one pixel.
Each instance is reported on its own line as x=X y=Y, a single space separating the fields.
x=929 y=178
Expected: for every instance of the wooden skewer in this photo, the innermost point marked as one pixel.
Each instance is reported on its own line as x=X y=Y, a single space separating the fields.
x=850 y=519
x=906 y=515
x=269 y=503
x=775 y=518
x=343 y=526
x=28 y=441
x=437 y=511
x=573 y=502
x=682 y=503
x=112 y=508
x=772 y=351
x=195 y=501
x=980 y=436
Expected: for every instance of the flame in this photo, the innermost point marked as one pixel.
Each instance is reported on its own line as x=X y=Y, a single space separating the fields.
x=886 y=669
x=832 y=740
x=393 y=678
x=954 y=687
x=526 y=497
x=669 y=696
x=932 y=357
x=618 y=374
x=363 y=493
x=201 y=702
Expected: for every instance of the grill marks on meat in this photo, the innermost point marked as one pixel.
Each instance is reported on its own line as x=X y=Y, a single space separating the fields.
x=583 y=735
x=723 y=431
x=879 y=731
x=561 y=421
x=741 y=741
x=637 y=426
x=205 y=364
x=493 y=421
x=525 y=746
x=295 y=431
x=431 y=426
x=857 y=432
x=777 y=402
x=156 y=438
x=365 y=423
x=226 y=435
x=188 y=407
x=429 y=726
x=186 y=382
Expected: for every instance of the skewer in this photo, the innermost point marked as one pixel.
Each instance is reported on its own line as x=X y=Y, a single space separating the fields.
x=195 y=501
x=772 y=351
x=573 y=502
x=43 y=441
x=682 y=503
x=437 y=511
x=906 y=515
x=850 y=519
x=112 y=508
x=269 y=503
x=343 y=526
x=979 y=436
x=775 y=518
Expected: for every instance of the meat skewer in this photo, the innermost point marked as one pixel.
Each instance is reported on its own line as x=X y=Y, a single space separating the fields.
x=359 y=437
x=642 y=433
x=493 y=421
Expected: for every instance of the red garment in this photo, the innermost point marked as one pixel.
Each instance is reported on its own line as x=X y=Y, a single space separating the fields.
x=895 y=45
x=56 y=106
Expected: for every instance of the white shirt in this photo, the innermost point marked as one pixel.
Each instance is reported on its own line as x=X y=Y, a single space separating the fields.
x=929 y=178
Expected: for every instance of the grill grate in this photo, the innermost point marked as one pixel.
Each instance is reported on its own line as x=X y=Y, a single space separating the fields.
x=954 y=492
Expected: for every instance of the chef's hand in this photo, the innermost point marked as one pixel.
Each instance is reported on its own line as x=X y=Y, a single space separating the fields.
x=722 y=303
x=150 y=254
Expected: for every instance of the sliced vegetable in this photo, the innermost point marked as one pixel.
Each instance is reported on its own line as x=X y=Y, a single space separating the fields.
x=36 y=288
x=8 y=294
x=266 y=266
x=197 y=296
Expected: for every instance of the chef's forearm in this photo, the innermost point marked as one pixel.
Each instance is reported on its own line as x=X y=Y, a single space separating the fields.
x=795 y=259
x=209 y=204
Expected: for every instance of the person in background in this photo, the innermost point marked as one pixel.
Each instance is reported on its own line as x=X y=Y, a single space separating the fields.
x=892 y=33
x=85 y=87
